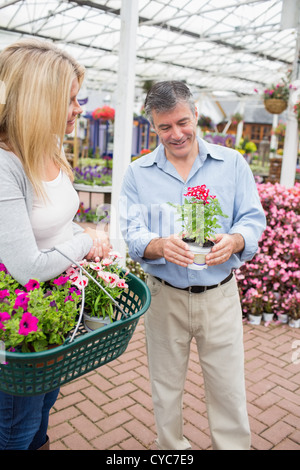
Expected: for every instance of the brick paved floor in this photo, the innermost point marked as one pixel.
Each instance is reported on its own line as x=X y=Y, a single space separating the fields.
x=111 y=408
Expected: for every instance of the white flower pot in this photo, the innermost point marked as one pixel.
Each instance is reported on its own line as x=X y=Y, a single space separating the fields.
x=294 y=323
x=93 y=323
x=254 y=319
x=200 y=253
x=267 y=317
x=283 y=318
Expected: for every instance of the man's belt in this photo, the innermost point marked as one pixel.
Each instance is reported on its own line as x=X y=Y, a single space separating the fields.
x=196 y=289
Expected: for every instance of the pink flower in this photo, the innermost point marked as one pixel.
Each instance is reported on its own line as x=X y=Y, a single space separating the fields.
x=80 y=282
x=3 y=317
x=4 y=293
x=31 y=285
x=122 y=284
x=60 y=281
x=109 y=278
x=28 y=324
x=107 y=261
x=22 y=299
x=71 y=271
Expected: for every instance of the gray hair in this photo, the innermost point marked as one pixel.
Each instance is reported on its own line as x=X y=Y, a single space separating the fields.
x=164 y=96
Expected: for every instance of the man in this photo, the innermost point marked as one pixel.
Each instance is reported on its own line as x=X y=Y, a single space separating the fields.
x=187 y=303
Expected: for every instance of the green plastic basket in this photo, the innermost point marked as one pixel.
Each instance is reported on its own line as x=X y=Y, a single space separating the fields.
x=28 y=374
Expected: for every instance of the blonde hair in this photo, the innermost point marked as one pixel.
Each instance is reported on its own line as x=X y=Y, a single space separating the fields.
x=37 y=76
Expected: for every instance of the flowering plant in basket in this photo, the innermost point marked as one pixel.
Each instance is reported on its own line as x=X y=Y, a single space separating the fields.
x=37 y=315
x=109 y=275
x=199 y=214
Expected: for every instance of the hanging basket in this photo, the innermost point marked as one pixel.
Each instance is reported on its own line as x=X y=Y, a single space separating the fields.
x=29 y=374
x=275 y=106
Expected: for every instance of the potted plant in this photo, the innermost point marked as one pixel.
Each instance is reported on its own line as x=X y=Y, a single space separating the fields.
x=37 y=316
x=105 y=113
x=276 y=96
x=199 y=221
x=291 y=304
x=252 y=305
x=98 y=306
x=205 y=122
x=236 y=118
x=269 y=305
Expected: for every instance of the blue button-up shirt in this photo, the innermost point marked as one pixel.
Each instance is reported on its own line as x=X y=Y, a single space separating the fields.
x=152 y=181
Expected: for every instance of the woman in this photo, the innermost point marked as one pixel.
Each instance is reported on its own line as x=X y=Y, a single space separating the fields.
x=37 y=199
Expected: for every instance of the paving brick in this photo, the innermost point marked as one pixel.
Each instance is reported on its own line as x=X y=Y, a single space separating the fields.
x=114 y=421
x=141 y=432
x=108 y=440
x=85 y=427
x=277 y=432
x=76 y=442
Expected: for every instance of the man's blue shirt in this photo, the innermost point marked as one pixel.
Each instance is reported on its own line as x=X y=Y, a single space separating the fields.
x=151 y=182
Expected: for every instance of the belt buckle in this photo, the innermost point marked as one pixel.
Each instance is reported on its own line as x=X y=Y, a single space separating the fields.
x=202 y=289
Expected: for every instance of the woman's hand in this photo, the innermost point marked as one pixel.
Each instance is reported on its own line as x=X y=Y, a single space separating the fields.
x=101 y=244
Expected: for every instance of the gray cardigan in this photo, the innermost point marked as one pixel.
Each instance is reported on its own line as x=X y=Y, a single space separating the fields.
x=18 y=248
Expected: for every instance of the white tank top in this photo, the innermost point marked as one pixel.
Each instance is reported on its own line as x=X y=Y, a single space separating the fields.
x=52 y=218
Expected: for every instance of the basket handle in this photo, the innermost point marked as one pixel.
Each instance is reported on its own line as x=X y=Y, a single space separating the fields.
x=83 y=292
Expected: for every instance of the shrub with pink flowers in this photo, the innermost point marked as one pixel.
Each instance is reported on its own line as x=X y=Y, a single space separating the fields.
x=270 y=281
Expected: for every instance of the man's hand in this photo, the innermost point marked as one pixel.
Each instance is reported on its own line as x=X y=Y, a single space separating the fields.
x=171 y=248
x=225 y=246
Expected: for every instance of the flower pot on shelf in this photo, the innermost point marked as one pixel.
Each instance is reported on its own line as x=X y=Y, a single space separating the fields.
x=254 y=319
x=93 y=323
x=275 y=105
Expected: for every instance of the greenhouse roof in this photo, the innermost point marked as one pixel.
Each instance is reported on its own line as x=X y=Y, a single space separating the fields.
x=222 y=47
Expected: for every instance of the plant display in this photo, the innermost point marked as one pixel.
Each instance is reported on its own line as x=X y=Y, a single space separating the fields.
x=37 y=315
x=227 y=140
x=199 y=214
x=93 y=175
x=109 y=275
x=271 y=280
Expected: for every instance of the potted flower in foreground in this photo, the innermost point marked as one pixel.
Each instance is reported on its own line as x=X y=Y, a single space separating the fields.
x=199 y=219
x=98 y=307
x=37 y=316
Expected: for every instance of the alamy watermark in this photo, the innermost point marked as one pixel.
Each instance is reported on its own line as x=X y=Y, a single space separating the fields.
x=2 y=353
x=296 y=352
x=2 y=92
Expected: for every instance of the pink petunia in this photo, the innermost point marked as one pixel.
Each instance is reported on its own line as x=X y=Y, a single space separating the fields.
x=28 y=324
x=60 y=281
x=22 y=300
x=32 y=285
x=4 y=293
x=3 y=317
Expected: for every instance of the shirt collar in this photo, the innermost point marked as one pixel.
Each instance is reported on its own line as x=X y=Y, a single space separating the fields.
x=205 y=150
